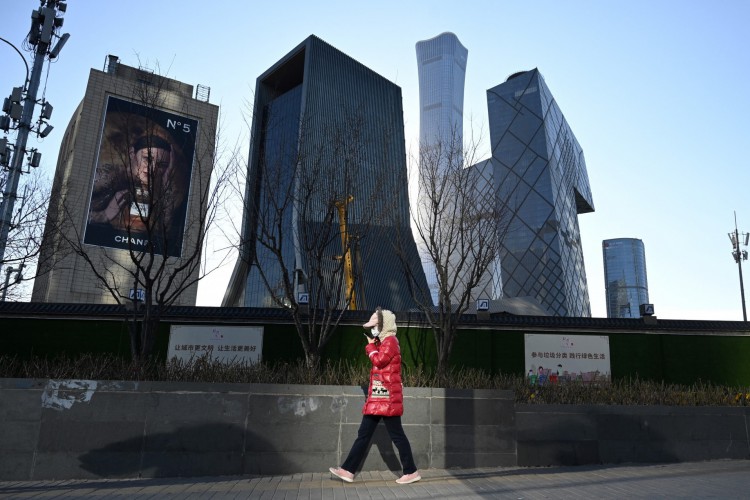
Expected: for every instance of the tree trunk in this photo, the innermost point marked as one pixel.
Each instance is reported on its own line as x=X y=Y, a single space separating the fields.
x=444 y=345
x=149 y=331
x=312 y=360
x=135 y=349
x=441 y=371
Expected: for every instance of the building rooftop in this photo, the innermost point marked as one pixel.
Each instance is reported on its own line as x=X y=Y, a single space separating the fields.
x=504 y=320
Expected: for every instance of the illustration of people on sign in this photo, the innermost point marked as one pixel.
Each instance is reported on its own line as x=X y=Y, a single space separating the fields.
x=142 y=179
x=554 y=377
x=542 y=376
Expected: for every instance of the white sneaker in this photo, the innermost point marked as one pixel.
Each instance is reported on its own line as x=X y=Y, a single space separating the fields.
x=409 y=478
x=342 y=474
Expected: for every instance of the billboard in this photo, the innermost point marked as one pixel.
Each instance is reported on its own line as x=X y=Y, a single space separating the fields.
x=567 y=358
x=141 y=183
x=228 y=344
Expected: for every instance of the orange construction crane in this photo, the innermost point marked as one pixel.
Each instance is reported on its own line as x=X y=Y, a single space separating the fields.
x=351 y=294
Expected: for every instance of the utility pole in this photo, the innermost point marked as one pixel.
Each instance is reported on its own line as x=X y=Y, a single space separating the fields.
x=8 y=272
x=739 y=256
x=19 y=107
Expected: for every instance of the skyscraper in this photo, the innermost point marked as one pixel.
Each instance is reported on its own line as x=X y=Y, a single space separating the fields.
x=625 y=280
x=441 y=65
x=541 y=179
x=490 y=286
x=320 y=115
x=127 y=185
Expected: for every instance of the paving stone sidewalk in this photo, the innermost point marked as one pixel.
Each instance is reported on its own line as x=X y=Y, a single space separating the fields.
x=716 y=479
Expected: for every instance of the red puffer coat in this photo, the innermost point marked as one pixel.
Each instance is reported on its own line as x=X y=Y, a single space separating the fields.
x=385 y=395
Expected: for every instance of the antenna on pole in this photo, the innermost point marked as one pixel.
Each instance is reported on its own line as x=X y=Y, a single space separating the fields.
x=18 y=109
x=739 y=255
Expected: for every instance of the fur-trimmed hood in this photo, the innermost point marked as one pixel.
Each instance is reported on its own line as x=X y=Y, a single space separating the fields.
x=384 y=320
x=389 y=324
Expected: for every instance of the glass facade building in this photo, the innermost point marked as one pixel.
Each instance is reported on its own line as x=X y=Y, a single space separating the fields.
x=626 y=284
x=490 y=286
x=541 y=182
x=309 y=107
x=441 y=67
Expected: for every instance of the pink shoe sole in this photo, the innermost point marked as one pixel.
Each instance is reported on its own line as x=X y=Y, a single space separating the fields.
x=409 y=478
x=341 y=474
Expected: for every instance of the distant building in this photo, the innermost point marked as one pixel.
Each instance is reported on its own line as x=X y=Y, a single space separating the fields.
x=541 y=178
x=102 y=196
x=312 y=92
x=625 y=280
x=441 y=65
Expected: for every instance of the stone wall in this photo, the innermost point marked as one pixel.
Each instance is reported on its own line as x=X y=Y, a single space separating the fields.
x=64 y=429
x=587 y=434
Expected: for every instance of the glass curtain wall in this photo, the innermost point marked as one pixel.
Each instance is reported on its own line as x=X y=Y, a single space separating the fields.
x=626 y=283
x=542 y=181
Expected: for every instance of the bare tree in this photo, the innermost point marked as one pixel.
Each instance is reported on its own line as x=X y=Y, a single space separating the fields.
x=25 y=235
x=159 y=198
x=459 y=228
x=309 y=214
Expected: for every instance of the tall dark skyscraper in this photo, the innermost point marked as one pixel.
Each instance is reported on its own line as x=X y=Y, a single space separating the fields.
x=625 y=279
x=320 y=114
x=540 y=177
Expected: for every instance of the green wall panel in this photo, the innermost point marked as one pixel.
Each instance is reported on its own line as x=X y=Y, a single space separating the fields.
x=672 y=358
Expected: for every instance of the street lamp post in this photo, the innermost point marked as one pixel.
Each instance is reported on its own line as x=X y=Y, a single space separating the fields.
x=739 y=256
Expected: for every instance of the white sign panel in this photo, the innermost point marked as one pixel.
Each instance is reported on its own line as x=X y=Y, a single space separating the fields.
x=566 y=358
x=224 y=343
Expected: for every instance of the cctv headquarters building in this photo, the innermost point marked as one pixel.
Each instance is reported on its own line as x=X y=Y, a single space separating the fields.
x=541 y=181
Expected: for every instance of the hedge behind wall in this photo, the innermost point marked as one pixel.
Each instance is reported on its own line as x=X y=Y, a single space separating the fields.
x=672 y=358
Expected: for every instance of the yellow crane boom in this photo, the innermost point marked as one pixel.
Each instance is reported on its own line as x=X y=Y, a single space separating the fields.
x=351 y=294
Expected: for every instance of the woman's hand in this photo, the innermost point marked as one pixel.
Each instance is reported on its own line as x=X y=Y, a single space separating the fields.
x=116 y=206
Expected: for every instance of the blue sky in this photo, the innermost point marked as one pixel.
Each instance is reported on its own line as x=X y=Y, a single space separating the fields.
x=655 y=92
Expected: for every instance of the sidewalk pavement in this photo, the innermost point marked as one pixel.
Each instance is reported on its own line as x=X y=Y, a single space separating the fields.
x=715 y=479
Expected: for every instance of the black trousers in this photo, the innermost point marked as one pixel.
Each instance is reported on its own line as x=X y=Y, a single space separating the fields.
x=366 y=430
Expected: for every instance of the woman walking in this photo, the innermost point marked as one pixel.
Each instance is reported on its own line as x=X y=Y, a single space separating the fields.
x=385 y=400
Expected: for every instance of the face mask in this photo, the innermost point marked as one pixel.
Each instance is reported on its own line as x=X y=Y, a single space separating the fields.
x=375 y=332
